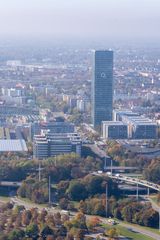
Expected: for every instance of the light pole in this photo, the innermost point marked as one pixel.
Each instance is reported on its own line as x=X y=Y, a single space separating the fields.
x=39 y=171
x=111 y=166
x=49 y=190
x=106 y=200
x=159 y=219
x=55 y=161
x=105 y=163
x=137 y=195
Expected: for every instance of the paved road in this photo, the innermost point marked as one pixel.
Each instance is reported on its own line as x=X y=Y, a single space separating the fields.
x=137 y=229
x=96 y=150
x=141 y=230
x=127 y=179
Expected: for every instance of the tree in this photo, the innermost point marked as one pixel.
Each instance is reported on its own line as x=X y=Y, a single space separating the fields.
x=50 y=238
x=63 y=203
x=94 y=184
x=80 y=234
x=57 y=218
x=93 y=222
x=152 y=172
x=46 y=230
x=77 y=191
x=26 y=217
x=112 y=233
x=32 y=230
x=99 y=209
x=82 y=206
x=16 y=235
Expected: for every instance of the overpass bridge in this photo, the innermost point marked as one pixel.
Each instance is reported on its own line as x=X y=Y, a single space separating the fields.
x=10 y=184
x=129 y=180
x=120 y=168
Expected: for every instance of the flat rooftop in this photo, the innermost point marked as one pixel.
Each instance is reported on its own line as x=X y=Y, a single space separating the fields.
x=112 y=123
x=13 y=145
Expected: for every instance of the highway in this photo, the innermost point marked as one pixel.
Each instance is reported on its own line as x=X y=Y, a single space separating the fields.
x=130 y=180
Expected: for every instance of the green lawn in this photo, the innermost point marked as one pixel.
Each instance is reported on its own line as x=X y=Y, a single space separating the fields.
x=154 y=199
x=154 y=230
x=75 y=203
x=123 y=231
x=26 y=200
x=4 y=199
x=133 y=235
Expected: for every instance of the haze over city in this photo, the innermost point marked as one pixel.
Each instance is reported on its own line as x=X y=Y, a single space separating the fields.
x=134 y=20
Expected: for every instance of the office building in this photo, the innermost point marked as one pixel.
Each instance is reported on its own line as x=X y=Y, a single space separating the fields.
x=102 y=87
x=57 y=126
x=49 y=144
x=141 y=127
x=114 y=130
x=118 y=115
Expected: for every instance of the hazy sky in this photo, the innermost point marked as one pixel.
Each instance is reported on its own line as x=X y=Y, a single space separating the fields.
x=92 y=19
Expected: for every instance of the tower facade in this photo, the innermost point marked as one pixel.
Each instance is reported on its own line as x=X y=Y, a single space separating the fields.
x=102 y=87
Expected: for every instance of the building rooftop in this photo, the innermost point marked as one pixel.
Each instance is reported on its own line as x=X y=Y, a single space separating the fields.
x=8 y=145
x=112 y=123
x=141 y=121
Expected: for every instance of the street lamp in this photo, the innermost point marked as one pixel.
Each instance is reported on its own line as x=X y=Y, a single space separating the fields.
x=105 y=163
x=111 y=165
x=49 y=190
x=106 y=200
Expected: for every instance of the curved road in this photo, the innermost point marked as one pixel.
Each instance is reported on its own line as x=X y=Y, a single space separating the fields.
x=129 y=180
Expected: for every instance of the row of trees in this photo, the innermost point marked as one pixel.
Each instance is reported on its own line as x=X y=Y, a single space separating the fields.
x=124 y=209
x=132 y=211
x=18 y=223
x=90 y=186
x=16 y=170
x=63 y=167
x=74 y=190
x=81 y=189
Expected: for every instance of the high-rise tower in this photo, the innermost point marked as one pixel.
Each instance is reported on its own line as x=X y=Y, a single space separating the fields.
x=102 y=87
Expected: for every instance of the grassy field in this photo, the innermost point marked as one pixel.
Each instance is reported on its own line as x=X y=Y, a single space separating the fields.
x=4 y=199
x=26 y=200
x=154 y=230
x=154 y=199
x=128 y=233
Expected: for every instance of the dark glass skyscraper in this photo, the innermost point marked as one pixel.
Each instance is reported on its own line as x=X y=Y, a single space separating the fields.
x=102 y=87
